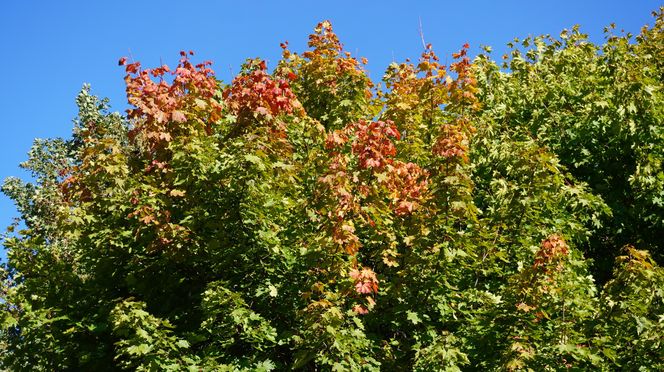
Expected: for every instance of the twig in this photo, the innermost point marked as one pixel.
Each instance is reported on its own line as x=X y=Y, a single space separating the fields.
x=424 y=44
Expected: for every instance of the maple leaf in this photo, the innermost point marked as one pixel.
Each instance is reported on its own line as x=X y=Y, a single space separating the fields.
x=360 y=310
x=147 y=219
x=363 y=287
x=178 y=116
x=133 y=68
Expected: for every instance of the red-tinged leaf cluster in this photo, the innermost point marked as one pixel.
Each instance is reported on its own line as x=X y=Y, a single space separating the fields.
x=161 y=107
x=551 y=255
x=365 y=280
x=420 y=89
x=407 y=187
x=539 y=284
x=256 y=96
x=167 y=105
x=430 y=66
x=360 y=309
x=374 y=147
x=343 y=232
x=324 y=42
x=375 y=151
x=158 y=221
x=452 y=141
x=331 y=84
x=373 y=144
x=363 y=164
x=417 y=94
x=365 y=284
x=346 y=204
x=464 y=88
x=325 y=45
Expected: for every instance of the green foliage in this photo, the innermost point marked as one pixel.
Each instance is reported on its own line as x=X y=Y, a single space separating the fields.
x=632 y=308
x=145 y=342
x=598 y=108
x=459 y=217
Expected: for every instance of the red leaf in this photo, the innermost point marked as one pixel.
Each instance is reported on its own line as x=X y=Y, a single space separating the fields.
x=360 y=310
x=132 y=68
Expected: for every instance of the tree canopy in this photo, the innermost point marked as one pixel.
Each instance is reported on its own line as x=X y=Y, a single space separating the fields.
x=476 y=216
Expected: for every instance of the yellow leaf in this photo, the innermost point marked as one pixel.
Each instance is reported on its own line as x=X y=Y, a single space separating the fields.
x=177 y=193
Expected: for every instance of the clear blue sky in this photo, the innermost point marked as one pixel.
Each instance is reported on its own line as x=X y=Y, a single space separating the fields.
x=51 y=48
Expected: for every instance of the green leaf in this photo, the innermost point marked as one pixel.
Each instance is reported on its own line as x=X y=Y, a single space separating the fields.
x=413 y=317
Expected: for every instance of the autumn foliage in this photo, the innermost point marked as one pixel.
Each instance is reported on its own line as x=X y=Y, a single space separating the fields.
x=307 y=217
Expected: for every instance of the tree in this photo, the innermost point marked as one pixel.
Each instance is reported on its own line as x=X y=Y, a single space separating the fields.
x=310 y=218
x=598 y=108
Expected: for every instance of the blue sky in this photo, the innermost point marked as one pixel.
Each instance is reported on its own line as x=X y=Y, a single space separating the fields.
x=52 y=47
